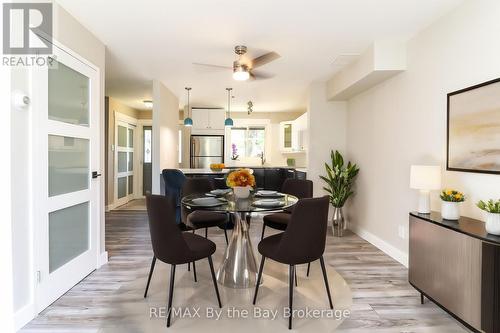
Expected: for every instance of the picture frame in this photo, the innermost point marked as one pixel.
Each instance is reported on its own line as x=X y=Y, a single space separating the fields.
x=473 y=129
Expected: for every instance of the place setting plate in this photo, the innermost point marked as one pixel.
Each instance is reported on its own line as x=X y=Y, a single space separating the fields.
x=206 y=202
x=218 y=192
x=268 y=203
x=269 y=194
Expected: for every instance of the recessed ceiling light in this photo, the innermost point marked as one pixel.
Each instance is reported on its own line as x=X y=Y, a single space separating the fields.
x=148 y=104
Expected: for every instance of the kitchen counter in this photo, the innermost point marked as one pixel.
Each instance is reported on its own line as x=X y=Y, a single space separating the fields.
x=203 y=171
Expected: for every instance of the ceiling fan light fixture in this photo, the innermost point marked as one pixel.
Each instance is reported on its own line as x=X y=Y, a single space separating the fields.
x=240 y=73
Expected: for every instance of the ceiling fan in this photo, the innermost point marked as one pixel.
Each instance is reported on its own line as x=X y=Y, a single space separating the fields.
x=244 y=68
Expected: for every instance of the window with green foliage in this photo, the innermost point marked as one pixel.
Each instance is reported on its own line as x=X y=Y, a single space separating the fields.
x=249 y=141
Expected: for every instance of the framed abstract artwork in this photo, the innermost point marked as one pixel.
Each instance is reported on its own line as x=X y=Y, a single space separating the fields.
x=473 y=129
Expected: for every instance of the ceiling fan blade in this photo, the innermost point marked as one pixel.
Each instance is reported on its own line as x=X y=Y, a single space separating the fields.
x=215 y=67
x=264 y=59
x=256 y=75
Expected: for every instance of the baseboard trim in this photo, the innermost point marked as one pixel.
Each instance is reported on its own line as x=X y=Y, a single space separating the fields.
x=103 y=258
x=24 y=315
x=382 y=245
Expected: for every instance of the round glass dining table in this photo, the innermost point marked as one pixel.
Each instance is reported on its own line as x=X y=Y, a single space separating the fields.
x=239 y=267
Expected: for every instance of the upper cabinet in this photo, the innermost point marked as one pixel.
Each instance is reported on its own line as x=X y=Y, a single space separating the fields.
x=293 y=135
x=208 y=121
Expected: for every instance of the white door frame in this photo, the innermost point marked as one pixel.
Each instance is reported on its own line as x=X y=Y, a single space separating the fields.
x=48 y=288
x=129 y=122
x=141 y=123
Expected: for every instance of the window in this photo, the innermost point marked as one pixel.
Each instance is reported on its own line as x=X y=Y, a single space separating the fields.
x=249 y=141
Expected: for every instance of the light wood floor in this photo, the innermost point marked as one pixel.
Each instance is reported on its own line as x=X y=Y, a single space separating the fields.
x=383 y=301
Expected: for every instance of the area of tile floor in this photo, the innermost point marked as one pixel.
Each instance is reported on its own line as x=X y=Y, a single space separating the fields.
x=382 y=299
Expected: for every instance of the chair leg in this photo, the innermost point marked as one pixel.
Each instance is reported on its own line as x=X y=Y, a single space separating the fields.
x=263 y=228
x=194 y=271
x=214 y=280
x=295 y=271
x=171 y=293
x=150 y=275
x=225 y=235
x=308 y=268
x=206 y=232
x=259 y=276
x=326 y=281
x=189 y=267
x=290 y=295
x=249 y=219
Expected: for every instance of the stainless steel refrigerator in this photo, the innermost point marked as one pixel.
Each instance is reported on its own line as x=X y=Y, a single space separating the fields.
x=205 y=150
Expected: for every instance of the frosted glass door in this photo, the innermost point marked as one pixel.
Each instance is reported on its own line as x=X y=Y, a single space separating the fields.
x=124 y=182
x=66 y=142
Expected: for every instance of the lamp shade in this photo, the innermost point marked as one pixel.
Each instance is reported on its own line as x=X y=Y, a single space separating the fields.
x=425 y=177
x=228 y=122
x=188 y=122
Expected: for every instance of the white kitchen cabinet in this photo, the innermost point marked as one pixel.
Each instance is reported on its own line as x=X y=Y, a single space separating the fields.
x=293 y=135
x=208 y=121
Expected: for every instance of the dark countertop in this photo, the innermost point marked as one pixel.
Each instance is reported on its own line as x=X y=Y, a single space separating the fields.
x=465 y=225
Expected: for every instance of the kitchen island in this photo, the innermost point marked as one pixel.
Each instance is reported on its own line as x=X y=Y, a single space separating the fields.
x=269 y=178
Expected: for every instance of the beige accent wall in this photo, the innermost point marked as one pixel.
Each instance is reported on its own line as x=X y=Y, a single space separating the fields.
x=402 y=121
x=112 y=106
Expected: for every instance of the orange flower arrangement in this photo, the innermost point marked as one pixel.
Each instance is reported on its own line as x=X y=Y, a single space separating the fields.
x=240 y=177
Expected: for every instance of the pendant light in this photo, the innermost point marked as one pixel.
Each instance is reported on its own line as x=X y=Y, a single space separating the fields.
x=228 y=122
x=187 y=120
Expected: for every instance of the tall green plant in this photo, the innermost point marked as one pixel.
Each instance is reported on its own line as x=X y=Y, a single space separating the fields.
x=339 y=179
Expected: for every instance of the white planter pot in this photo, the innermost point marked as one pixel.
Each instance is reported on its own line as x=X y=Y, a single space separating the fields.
x=450 y=210
x=241 y=192
x=493 y=223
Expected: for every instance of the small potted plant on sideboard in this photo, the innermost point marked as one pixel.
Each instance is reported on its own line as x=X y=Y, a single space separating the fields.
x=450 y=204
x=492 y=209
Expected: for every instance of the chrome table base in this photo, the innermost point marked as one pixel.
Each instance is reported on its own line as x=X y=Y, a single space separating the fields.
x=239 y=267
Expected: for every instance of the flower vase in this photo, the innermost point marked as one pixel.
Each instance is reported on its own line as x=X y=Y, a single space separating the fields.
x=493 y=223
x=338 y=222
x=241 y=192
x=450 y=210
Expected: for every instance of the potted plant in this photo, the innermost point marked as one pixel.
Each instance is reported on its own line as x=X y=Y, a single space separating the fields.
x=450 y=204
x=339 y=180
x=241 y=181
x=492 y=209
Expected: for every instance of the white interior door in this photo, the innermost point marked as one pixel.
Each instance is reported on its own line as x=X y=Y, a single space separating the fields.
x=124 y=162
x=66 y=152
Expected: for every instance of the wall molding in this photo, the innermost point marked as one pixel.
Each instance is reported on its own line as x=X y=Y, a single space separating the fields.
x=382 y=245
x=103 y=259
x=24 y=315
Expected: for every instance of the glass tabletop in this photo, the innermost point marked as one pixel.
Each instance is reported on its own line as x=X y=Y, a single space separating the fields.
x=228 y=203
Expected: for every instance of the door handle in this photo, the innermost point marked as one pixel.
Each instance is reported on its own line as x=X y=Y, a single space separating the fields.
x=95 y=174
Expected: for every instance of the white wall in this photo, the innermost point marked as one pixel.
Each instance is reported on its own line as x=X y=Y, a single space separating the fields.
x=402 y=121
x=6 y=248
x=165 y=131
x=327 y=131
x=70 y=33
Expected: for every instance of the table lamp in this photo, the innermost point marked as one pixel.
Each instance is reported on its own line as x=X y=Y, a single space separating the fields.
x=425 y=178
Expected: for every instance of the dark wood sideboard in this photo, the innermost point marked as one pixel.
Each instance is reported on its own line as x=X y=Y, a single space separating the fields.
x=456 y=264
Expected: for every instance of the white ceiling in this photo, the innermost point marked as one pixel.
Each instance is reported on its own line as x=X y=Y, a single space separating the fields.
x=151 y=39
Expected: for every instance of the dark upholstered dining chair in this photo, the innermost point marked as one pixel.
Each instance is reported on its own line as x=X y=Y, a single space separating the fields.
x=300 y=188
x=172 y=246
x=174 y=180
x=200 y=219
x=302 y=242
